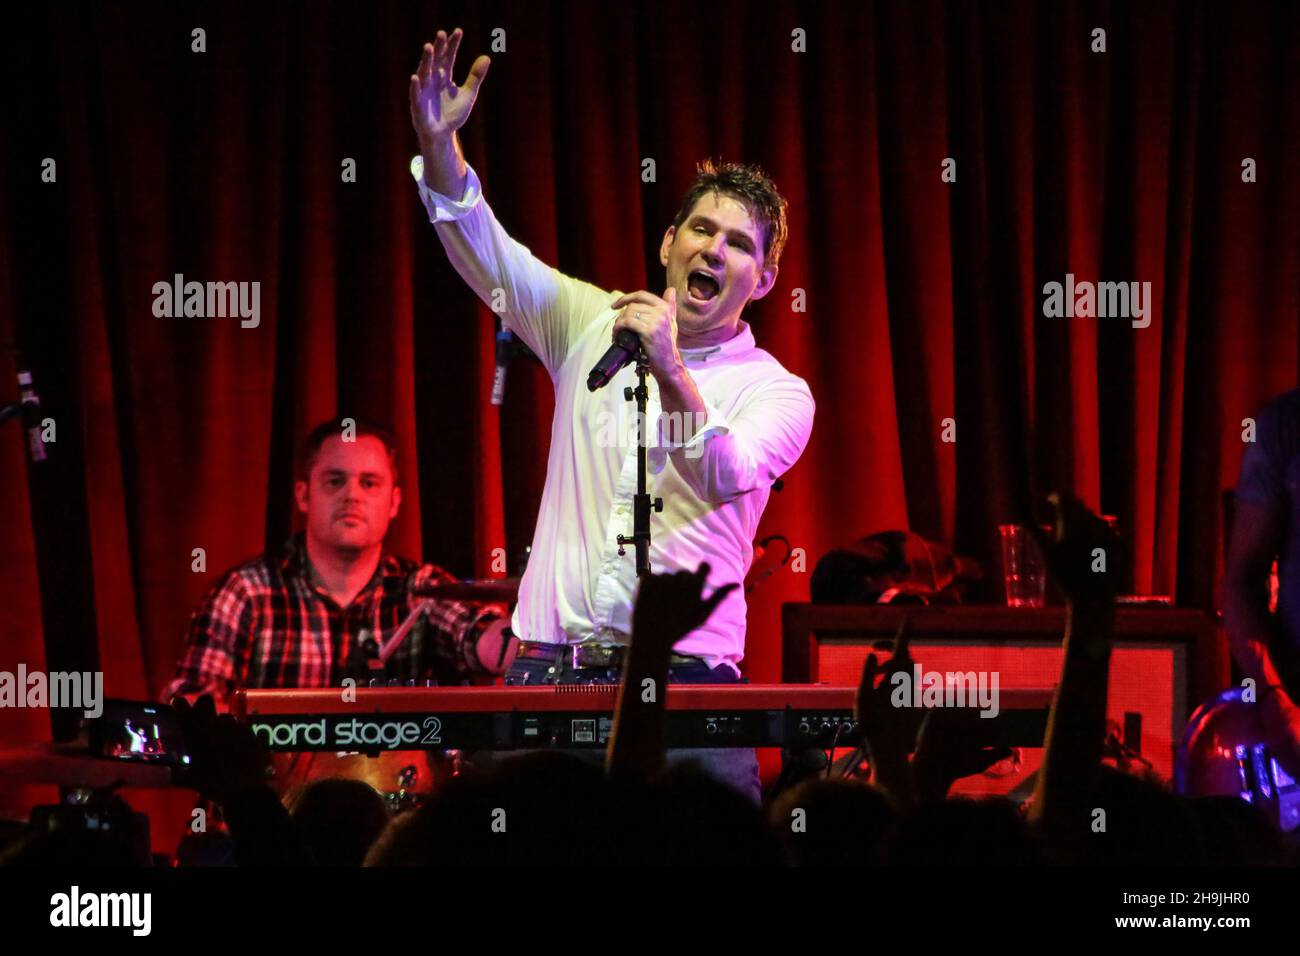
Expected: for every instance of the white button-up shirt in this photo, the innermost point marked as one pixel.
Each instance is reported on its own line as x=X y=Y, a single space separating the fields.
x=714 y=486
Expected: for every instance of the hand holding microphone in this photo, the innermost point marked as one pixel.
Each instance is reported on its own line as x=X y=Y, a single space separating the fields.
x=647 y=321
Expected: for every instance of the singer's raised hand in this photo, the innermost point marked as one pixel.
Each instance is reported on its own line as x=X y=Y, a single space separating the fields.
x=438 y=106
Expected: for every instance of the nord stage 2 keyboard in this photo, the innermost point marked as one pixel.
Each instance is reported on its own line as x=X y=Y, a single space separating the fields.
x=371 y=720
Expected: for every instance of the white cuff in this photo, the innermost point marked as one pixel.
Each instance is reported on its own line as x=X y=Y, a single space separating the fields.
x=440 y=207
x=669 y=431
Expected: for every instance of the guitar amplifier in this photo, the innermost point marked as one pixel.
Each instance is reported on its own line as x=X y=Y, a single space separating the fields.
x=1157 y=650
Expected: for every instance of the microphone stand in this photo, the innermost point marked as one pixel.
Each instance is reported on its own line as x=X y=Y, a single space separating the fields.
x=370 y=664
x=642 y=504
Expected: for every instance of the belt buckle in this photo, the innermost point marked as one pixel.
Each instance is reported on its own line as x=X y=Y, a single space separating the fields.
x=594 y=655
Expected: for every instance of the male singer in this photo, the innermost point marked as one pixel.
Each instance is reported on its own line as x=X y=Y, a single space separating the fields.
x=727 y=420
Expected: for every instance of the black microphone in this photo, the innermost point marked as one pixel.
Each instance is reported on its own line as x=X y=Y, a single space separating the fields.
x=505 y=347
x=31 y=412
x=616 y=357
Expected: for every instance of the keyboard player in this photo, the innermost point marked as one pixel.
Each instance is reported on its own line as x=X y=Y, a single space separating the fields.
x=302 y=617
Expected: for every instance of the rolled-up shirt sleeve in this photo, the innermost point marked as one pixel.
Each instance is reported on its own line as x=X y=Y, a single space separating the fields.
x=728 y=456
x=443 y=208
x=543 y=306
x=450 y=647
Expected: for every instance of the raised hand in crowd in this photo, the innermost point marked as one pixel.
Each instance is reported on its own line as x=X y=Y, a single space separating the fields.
x=229 y=765
x=225 y=757
x=671 y=606
x=668 y=608
x=953 y=743
x=889 y=731
x=1081 y=554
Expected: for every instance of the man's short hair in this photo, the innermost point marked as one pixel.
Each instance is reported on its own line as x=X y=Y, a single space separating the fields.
x=332 y=428
x=754 y=189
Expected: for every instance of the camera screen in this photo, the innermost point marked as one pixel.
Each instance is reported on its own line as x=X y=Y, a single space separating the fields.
x=130 y=730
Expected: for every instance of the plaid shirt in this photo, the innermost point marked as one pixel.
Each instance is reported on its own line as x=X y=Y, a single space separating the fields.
x=266 y=625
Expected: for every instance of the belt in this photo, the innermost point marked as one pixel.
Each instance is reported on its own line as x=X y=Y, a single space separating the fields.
x=589 y=654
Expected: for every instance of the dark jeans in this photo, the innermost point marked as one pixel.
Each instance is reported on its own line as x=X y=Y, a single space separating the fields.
x=735 y=766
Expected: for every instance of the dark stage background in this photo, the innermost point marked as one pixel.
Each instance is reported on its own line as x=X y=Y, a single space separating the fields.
x=924 y=298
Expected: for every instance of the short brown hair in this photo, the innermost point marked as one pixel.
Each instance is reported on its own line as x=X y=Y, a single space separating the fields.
x=753 y=188
x=333 y=427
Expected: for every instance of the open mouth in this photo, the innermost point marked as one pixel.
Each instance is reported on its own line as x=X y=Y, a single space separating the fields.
x=702 y=286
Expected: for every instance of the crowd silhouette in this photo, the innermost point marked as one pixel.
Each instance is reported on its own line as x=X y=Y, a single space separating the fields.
x=551 y=807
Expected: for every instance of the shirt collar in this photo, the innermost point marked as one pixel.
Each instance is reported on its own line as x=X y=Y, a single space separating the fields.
x=738 y=344
x=293 y=561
